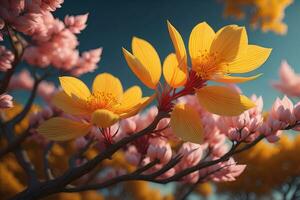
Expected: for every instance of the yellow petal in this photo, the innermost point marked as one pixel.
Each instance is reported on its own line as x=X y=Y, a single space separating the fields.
x=142 y=72
x=177 y=43
x=104 y=118
x=174 y=75
x=236 y=79
x=131 y=97
x=223 y=101
x=230 y=42
x=74 y=87
x=108 y=84
x=252 y=59
x=125 y=113
x=200 y=40
x=186 y=123
x=148 y=56
x=69 y=105
x=62 y=129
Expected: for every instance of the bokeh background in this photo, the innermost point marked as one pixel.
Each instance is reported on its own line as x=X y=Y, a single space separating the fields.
x=112 y=24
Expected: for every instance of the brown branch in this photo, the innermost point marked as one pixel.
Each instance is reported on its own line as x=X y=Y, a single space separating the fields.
x=200 y=179
x=54 y=186
x=47 y=169
x=79 y=154
x=20 y=116
x=16 y=142
x=59 y=184
x=21 y=155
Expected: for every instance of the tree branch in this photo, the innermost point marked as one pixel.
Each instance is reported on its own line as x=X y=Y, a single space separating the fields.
x=16 y=142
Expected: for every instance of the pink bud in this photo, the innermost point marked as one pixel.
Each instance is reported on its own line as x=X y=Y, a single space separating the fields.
x=6 y=59
x=289 y=83
x=159 y=149
x=76 y=23
x=132 y=156
x=128 y=125
x=6 y=101
x=192 y=154
x=296 y=111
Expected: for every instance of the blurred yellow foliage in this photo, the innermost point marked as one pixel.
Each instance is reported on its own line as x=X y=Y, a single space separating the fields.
x=204 y=189
x=268 y=167
x=266 y=14
x=13 y=179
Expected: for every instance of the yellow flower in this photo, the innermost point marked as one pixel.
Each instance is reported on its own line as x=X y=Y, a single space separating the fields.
x=104 y=106
x=214 y=56
x=146 y=65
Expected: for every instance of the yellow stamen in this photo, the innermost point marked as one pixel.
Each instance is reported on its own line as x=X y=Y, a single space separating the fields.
x=206 y=65
x=101 y=100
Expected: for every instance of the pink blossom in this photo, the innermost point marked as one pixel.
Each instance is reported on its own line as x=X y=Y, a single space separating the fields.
x=87 y=62
x=128 y=125
x=6 y=101
x=133 y=156
x=192 y=154
x=226 y=171
x=51 y=5
x=76 y=23
x=80 y=142
x=244 y=127
x=22 y=80
x=40 y=116
x=2 y=24
x=6 y=59
x=296 y=111
x=289 y=83
x=46 y=90
x=34 y=56
x=159 y=149
x=282 y=110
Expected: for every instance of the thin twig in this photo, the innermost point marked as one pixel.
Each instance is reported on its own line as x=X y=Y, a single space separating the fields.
x=79 y=154
x=17 y=141
x=21 y=155
x=47 y=169
x=20 y=116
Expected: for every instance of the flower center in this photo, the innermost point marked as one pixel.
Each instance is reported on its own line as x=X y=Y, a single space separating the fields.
x=206 y=65
x=102 y=100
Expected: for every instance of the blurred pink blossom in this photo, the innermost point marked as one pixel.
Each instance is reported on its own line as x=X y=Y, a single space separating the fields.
x=132 y=155
x=159 y=149
x=87 y=62
x=76 y=23
x=289 y=83
x=22 y=80
x=2 y=24
x=282 y=110
x=6 y=59
x=6 y=101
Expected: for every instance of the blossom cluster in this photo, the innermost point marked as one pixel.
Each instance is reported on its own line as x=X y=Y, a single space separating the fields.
x=196 y=125
x=266 y=14
x=53 y=42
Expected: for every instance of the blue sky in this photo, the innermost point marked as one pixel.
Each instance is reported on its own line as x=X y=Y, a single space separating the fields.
x=112 y=24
